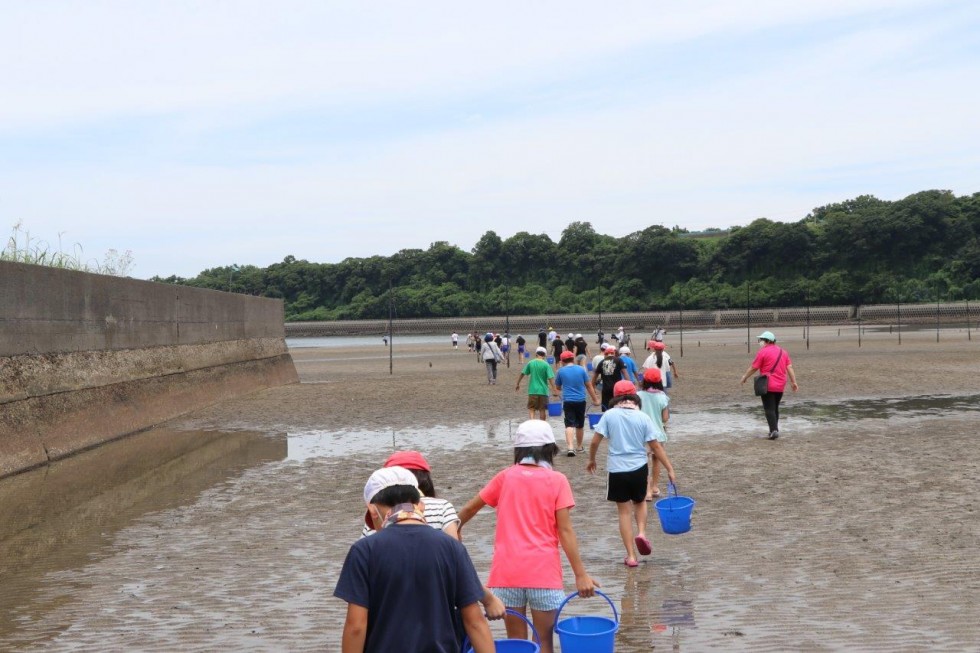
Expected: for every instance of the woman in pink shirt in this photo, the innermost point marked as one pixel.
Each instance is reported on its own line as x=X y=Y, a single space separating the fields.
x=775 y=362
x=533 y=504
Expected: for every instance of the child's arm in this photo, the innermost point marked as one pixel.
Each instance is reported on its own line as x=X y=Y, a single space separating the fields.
x=355 y=629
x=590 y=388
x=469 y=510
x=566 y=535
x=477 y=628
x=493 y=606
x=660 y=454
x=593 y=450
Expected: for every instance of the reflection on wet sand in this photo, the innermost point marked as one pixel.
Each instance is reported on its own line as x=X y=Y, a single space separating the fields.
x=62 y=515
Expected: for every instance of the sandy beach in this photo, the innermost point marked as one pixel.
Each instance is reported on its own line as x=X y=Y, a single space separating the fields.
x=856 y=530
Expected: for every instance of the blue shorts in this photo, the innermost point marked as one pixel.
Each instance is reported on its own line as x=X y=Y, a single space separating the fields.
x=536 y=598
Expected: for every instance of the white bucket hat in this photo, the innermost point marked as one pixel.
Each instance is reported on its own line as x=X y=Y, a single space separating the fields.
x=534 y=433
x=387 y=477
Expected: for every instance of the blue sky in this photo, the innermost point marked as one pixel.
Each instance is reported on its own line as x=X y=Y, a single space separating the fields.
x=201 y=134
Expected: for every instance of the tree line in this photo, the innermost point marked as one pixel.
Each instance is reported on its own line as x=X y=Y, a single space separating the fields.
x=864 y=250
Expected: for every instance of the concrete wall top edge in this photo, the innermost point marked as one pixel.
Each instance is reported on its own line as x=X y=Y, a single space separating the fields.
x=44 y=310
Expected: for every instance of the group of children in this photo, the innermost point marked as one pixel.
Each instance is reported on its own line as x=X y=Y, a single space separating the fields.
x=398 y=577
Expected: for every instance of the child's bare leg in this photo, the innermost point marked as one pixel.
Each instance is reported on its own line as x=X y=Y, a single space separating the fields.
x=579 y=437
x=516 y=627
x=626 y=527
x=653 y=480
x=544 y=623
x=640 y=513
x=569 y=432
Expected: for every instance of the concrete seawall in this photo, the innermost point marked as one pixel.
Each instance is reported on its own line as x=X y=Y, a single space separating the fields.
x=88 y=358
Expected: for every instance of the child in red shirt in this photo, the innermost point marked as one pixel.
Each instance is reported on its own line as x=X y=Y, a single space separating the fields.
x=533 y=503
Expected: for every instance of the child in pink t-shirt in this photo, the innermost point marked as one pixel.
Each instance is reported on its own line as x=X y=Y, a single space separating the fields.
x=533 y=503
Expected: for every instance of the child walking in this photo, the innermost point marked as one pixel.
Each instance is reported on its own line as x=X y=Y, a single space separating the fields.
x=533 y=504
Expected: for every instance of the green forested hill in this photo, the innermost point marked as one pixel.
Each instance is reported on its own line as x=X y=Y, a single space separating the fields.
x=863 y=250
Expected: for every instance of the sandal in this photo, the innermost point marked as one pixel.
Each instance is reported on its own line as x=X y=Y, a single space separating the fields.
x=642 y=545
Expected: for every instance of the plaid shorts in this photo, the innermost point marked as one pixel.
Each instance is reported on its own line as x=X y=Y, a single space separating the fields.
x=536 y=598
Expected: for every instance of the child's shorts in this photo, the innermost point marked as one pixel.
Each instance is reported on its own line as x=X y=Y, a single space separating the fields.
x=622 y=487
x=537 y=599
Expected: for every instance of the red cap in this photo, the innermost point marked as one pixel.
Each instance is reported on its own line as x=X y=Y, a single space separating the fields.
x=408 y=460
x=624 y=388
x=567 y=356
x=659 y=345
x=652 y=375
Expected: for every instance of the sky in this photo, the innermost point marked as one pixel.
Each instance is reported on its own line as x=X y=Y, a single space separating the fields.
x=199 y=134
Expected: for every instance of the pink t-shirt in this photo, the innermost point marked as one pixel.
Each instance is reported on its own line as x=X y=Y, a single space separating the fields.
x=764 y=361
x=525 y=547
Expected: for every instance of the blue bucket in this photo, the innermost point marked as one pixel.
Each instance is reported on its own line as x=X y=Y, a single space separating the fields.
x=675 y=512
x=551 y=360
x=512 y=645
x=593 y=419
x=588 y=366
x=587 y=634
x=527 y=354
x=554 y=409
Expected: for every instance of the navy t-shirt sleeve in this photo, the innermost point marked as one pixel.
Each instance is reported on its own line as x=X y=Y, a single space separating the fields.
x=469 y=589
x=352 y=586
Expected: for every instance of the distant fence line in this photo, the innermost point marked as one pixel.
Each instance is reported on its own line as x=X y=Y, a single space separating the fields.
x=948 y=314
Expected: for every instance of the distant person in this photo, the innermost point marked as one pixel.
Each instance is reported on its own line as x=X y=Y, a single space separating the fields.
x=609 y=371
x=662 y=361
x=540 y=379
x=658 y=335
x=492 y=356
x=384 y=339
x=654 y=404
x=542 y=338
x=455 y=339
x=600 y=338
x=620 y=335
x=552 y=334
x=581 y=350
x=775 y=363
x=626 y=355
x=574 y=383
x=570 y=342
x=631 y=434
x=598 y=357
x=470 y=340
x=521 y=345
x=386 y=603
x=533 y=504
x=557 y=347
x=505 y=347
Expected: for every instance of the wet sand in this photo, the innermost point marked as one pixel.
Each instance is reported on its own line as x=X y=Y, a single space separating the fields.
x=855 y=530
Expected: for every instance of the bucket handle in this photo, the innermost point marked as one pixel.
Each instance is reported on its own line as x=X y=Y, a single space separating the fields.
x=534 y=631
x=671 y=488
x=574 y=594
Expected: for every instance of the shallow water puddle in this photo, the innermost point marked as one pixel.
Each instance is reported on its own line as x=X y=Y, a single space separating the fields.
x=66 y=514
x=748 y=420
